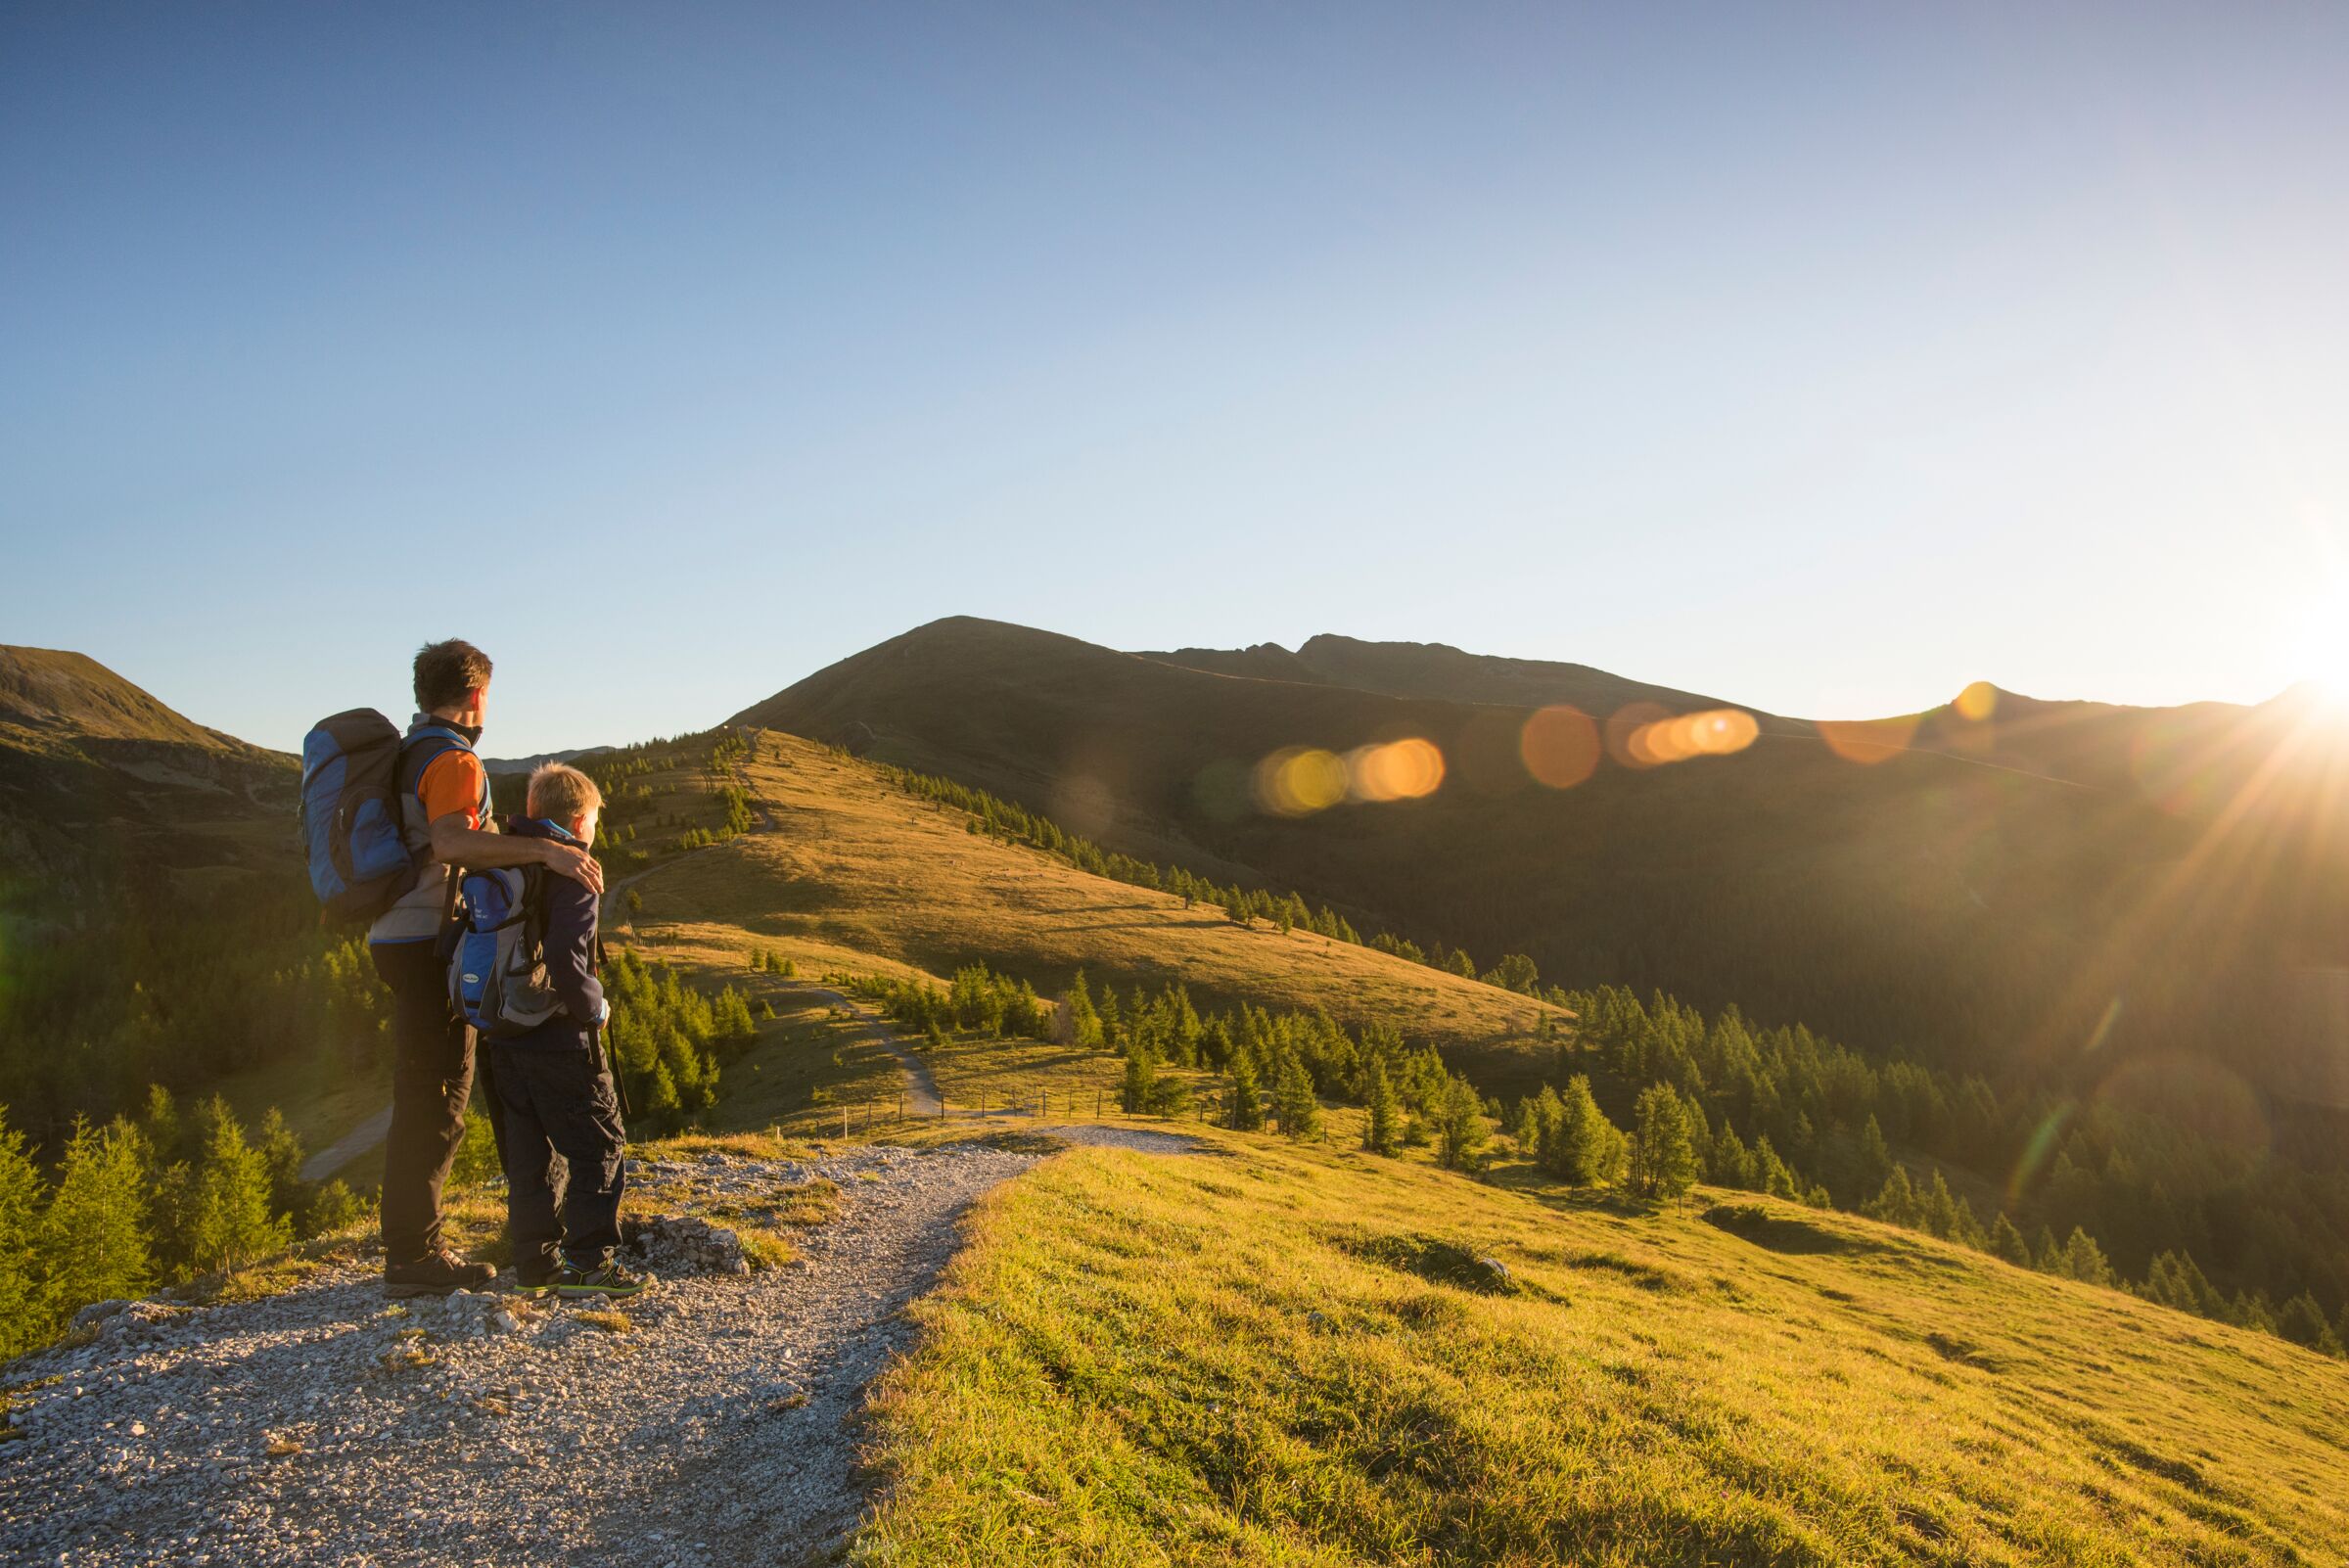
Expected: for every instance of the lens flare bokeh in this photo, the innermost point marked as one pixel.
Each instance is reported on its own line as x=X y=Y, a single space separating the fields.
x=1869 y=741
x=1394 y=771
x=1623 y=726
x=1715 y=732
x=1300 y=780
x=1978 y=702
x=1559 y=746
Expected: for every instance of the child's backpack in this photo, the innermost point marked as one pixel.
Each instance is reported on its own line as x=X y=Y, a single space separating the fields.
x=350 y=831
x=497 y=976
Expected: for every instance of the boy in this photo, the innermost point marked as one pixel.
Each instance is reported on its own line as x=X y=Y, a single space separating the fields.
x=554 y=1086
x=444 y=818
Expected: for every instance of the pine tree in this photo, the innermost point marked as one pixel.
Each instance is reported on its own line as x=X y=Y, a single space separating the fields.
x=1140 y=1097
x=1663 y=1162
x=94 y=1243
x=231 y=1223
x=2006 y=1242
x=22 y=1318
x=1460 y=1130
x=1385 y=1134
x=1549 y=1125
x=2084 y=1260
x=1896 y=1202
x=1525 y=1127
x=1875 y=1157
x=2047 y=1256
x=160 y=1125
x=333 y=1206
x=2302 y=1322
x=1078 y=1022
x=1775 y=1174
x=281 y=1156
x=1732 y=1161
x=1585 y=1137
x=1247 y=1101
x=1939 y=1210
x=1293 y=1101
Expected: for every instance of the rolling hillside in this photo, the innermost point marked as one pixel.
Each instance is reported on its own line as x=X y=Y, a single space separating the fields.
x=1996 y=910
x=97 y=778
x=1273 y=1354
x=155 y=924
x=849 y=871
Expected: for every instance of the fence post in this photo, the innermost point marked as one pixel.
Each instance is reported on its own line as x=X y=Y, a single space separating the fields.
x=844 y=1119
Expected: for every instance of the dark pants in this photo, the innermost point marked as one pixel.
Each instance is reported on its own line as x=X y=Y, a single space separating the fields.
x=432 y=1078
x=563 y=1148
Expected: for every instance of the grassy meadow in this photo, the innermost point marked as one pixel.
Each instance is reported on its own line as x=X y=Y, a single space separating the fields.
x=1283 y=1355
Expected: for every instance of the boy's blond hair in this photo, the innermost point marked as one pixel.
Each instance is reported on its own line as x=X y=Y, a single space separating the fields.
x=559 y=792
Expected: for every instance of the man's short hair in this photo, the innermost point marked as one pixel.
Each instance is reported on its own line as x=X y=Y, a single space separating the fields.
x=446 y=670
x=559 y=792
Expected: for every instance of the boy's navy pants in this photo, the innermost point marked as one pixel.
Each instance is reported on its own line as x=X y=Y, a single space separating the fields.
x=563 y=1148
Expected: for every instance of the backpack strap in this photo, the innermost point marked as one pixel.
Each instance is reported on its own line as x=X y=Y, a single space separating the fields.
x=533 y=910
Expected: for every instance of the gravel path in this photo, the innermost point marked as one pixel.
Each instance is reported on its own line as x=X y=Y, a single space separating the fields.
x=326 y=1427
x=921 y=1089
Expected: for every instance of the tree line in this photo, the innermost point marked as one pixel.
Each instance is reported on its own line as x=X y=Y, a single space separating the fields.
x=163 y=1198
x=2097 y=1192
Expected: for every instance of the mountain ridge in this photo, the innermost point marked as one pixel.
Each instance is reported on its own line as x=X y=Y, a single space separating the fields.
x=1872 y=879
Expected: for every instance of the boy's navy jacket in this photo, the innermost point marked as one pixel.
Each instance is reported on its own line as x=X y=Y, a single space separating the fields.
x=570 y=947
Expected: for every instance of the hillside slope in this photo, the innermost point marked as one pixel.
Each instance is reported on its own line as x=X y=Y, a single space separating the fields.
x=153 y=917
x=847 y=870
x=1285 y=1355
x=95 y=776
x=1998 y=914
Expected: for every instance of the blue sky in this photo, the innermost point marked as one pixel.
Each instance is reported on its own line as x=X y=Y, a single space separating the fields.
x=1825 y=358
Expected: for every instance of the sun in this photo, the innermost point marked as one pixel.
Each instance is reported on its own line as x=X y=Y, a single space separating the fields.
x=2323 y=651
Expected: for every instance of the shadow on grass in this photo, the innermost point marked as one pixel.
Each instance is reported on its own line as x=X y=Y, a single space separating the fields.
x=1432 y=1258
x=1779 y=1233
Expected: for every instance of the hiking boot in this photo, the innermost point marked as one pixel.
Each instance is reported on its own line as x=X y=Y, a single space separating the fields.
x=607 y=1282
x=436 y=1274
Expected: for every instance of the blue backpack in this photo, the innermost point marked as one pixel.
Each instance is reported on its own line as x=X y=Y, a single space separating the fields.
x=350 y=831
x=497 y=975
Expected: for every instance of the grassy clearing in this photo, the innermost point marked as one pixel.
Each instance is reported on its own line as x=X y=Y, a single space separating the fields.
x=808 y=1063
x=997 y=1074
x=1291 y=1355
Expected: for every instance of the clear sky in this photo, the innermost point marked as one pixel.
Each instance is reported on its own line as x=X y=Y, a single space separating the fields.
x=1823 y=359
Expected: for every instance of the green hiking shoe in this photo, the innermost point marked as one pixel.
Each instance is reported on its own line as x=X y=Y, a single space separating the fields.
x=607 y=1281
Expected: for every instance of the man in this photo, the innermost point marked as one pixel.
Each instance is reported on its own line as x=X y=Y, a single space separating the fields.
x=445 y=820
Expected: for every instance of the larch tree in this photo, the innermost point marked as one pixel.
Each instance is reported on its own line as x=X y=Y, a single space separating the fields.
x=1385 y=1134
x=1663 y=1160
x=94 y=1242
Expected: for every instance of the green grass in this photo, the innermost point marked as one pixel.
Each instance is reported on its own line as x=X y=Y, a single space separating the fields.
x=808 y=1063
x=1278 y=1355
x=995 y=1074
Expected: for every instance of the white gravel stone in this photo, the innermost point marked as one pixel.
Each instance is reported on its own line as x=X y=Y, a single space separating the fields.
x=317 y=1427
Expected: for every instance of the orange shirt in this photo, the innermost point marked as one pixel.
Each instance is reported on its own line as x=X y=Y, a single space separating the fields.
x=452 y=785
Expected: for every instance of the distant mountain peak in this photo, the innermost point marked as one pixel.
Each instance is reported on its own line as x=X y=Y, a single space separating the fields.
x=66 y=694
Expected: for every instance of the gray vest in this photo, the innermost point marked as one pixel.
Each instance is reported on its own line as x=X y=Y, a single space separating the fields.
x=415 y=916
